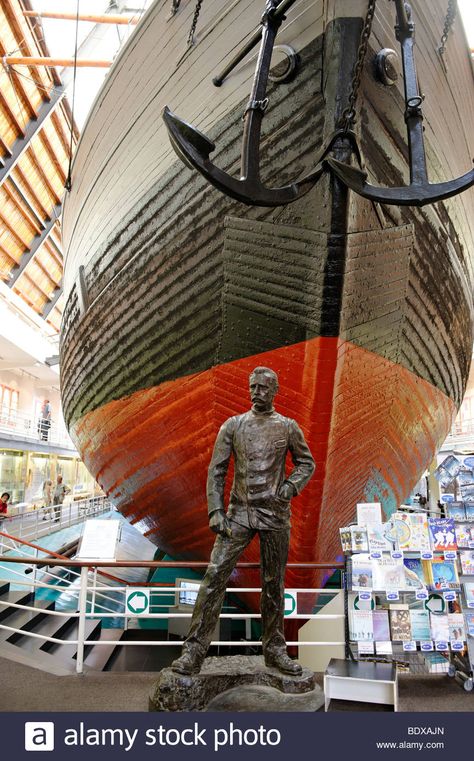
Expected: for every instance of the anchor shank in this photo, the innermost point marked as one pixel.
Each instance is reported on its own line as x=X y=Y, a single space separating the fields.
x=250 y=153
x=413 y=115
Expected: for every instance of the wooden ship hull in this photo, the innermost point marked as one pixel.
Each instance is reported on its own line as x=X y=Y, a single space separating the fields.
x=175 y=292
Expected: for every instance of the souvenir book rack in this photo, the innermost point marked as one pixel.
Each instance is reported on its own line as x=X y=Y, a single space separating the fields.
x=412 y=607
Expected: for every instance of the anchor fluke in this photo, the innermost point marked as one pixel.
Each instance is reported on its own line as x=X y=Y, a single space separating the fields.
x=184 y=136
x=409 y=195
x=193 y=148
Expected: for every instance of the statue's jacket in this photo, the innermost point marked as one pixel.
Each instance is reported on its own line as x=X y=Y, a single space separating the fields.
x=259 y=443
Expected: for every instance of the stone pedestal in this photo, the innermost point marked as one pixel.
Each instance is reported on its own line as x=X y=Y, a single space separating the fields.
x=236 y=683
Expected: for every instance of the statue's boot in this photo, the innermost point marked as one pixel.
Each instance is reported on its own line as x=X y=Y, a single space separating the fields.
x=283 y=662
x=188 y=663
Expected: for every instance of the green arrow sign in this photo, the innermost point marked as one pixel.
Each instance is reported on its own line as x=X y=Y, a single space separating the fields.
x=137 y=602
x=290 y=603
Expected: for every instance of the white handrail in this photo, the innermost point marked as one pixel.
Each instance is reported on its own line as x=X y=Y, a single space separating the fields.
x=27 y=525
x=25 y=427
x=89 y=608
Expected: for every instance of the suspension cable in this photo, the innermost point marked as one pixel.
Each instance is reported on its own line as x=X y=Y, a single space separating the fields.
x=68 y=184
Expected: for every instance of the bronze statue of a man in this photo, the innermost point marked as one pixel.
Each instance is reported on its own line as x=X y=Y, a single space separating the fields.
x=259 y=503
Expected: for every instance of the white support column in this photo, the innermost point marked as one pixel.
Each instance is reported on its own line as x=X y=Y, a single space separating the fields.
x=82 y=620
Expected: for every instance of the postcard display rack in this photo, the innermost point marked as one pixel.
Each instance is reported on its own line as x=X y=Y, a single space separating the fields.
x=409 y=590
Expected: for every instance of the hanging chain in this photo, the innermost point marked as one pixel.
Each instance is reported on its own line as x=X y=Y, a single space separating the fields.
x=348 y=117
x=175 y=6
x=448 y=25
x=270 y=7
x=197 y=11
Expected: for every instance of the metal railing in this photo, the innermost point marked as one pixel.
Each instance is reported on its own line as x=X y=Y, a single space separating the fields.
x=43 y=563
x=25 y=427
x=41 y=521
x=90 y=591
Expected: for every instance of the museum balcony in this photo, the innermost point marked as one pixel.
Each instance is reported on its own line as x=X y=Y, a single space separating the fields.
x=19 y=430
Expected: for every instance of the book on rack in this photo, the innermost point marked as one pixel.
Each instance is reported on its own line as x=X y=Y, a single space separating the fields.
x=362 y=574
x=447 y=471
x=455 y=510
x=369 y=512
x=414 y=573
x=377 y=537
x=359 y=539
x=420 y=625
x=469 y=618
x=346 y=541
x=442 y=534
x=439 y=627
x=401 y=528
x=388 y=572
x=469 y=593
x=469 y=510
x=467 y=493
x=456 y=627
x=465 y=477
x=467 y=562
x=441 y=573
x=420 y=537
x=361 y=627
x=411 y=531
x=381 y=625
x=400 y=624
x=463 y=534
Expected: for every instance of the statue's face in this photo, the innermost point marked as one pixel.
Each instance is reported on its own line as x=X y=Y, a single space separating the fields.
x=262 y=392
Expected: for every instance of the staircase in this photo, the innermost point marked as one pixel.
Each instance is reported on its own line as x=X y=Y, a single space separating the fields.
x=54 y=657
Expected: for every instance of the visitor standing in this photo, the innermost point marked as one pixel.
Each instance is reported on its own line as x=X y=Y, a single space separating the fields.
x=44 y=423
x=60 y=491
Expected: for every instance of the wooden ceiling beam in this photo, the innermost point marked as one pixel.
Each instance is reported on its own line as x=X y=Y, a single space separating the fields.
x=21 y=242
x=16 y=196
x=5 y=149
x=48 y=62
x=12 y=118
x=17 y=84
x=32 y=192
x=63 y=136
x=94 y=19
x=52 y=155
x=45 y=272
x=35 y=285
x=45 y=179
x=21 y=143
x=35 y=245
x=6 y=253
x=48 y=308
x=54 y=251
x=19 y=29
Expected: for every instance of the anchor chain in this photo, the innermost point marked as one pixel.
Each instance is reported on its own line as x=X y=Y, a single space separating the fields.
x=192 y=31
x=348 y=117
x=448 y=25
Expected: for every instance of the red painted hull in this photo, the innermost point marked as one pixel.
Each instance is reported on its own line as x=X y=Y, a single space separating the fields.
x=371 y=424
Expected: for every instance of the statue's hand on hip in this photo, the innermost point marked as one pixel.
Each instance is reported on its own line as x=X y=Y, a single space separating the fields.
x=286 y=492
x=219 y=523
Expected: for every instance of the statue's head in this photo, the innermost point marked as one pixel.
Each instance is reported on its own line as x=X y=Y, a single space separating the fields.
x=263 y=384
